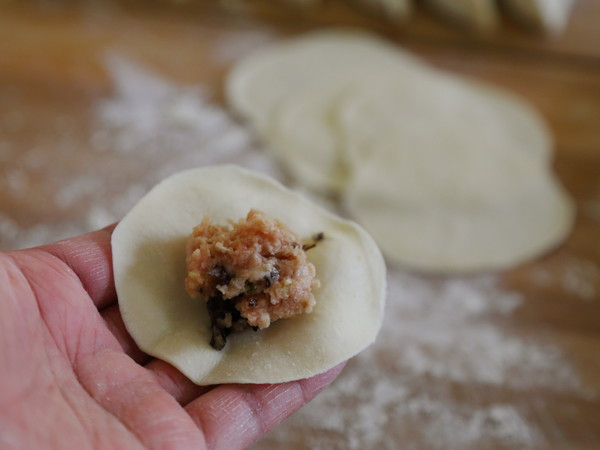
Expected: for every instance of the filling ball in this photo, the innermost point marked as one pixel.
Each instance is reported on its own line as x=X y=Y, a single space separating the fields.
x=250 y=273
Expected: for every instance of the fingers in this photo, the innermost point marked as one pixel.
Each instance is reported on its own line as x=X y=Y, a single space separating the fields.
x=174 y=382
x=114 y=323
x=90 y=257
x=132 y=395
x=234 y=416
x=167 y=376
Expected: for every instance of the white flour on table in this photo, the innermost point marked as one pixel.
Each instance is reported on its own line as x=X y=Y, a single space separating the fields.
x=147 y=130
x=440 y=334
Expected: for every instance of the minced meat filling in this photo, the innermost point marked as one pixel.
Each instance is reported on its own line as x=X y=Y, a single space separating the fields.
x=251 y=273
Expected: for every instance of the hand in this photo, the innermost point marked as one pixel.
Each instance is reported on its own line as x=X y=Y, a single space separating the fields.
x=71 y=376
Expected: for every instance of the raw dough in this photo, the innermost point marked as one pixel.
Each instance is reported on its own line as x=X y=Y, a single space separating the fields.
x=265 y=78
x=478 y=14
x=397 y=10
x=549 y=15
x=453 y=176
x=448 y=174
x=149 y=265
x=287 y=93
x=303 y=135
x=451 y=209
x=440 y=110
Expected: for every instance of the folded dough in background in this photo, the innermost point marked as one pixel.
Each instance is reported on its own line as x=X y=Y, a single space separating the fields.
x=448 y=174
x=549 y=16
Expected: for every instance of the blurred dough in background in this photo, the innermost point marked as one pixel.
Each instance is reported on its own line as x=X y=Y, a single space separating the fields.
x=395 y=10
x=481 y=15
x=447 y=174
x=549 y=16
x=286 y=92
x=264 y=79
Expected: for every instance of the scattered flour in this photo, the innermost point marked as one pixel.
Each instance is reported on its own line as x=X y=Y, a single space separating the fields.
x=440 y=334
x=450 y=326
x=147 y=130
x=579 y=278
x=180 y=126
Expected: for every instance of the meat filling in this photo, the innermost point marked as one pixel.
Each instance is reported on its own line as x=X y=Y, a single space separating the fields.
x=251 y=273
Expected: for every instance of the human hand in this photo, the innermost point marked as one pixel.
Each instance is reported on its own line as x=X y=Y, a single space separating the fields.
x=72 y=377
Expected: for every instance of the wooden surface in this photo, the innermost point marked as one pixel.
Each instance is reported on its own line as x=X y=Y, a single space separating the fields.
x=50 y=68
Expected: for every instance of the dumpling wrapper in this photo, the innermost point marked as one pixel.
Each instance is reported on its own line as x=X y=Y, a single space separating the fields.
x=455 y=209
x=448 y=174
x=316 y=98
x=549 y=15
x=304 y=137
x=437 y=109
x=455 y=176
x=316 y=133
x=149 y=266
x=288 y=92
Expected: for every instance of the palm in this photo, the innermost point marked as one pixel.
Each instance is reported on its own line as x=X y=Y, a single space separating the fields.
x=72 y=377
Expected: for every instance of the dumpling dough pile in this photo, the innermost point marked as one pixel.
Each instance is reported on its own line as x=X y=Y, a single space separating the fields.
x=548 y=15
x=478 y=14
x=149 y=265
x=396 y=10
x=288 y=93
x=448 y=175
x=481 y=15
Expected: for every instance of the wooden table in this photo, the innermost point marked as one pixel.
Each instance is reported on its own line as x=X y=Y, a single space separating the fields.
x=51 y=72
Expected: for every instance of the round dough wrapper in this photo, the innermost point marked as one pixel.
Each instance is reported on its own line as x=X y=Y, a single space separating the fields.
x=149 y=265
x=265 y=78
x=438 y=110
x=456 y=208
x=308 y=133
x=299 y=127
x=304 y=137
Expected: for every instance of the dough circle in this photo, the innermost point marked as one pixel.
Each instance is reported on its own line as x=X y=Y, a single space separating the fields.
x=452 y=176
x=437 y=110
x=449 y=210
x=264 y=79
x=287 y=94
x=149 y=266
x=447 y=174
